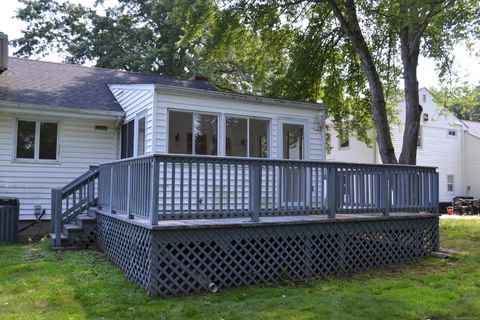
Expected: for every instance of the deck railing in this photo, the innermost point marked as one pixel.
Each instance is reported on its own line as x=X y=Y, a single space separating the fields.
x=72 y=200
x=163 y=187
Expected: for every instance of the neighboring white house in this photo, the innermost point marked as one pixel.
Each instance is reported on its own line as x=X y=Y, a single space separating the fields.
x=446 y=142
x=56 y=120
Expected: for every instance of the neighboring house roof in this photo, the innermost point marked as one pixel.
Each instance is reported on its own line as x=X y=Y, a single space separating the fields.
x=473 y=127
x=71 y=86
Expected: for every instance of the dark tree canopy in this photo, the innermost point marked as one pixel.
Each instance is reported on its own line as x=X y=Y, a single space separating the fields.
x=351 y=54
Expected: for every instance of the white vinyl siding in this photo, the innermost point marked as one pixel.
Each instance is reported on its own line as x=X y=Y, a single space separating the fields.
x=437 y=148
x=227 y=107
x=472 y=168
x=80 y=146
x=137 y=101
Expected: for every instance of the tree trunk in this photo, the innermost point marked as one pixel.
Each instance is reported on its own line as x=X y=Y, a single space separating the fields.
x=350 y=25
x=410 y=48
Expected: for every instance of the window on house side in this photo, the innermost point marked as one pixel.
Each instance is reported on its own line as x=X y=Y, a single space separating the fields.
x=128 y=130
x=343 y=144
x=36 y=140
x=141 y=137
x=450 y=182
x=452 y=133
x=192 y=133
x=246 y=137
x=424 y=98
x=420 y=136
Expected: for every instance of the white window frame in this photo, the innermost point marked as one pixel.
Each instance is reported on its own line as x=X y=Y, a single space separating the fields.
x=138 y=117
x=269 y=134
x=340 y=144
x=36 y=152
x=452 y=136
x=306 y=135
x=220 y=134
x=424 y=98
x=452 y=183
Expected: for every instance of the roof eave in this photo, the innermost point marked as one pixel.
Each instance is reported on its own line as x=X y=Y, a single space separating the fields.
x=15 y=107
x=161 y=88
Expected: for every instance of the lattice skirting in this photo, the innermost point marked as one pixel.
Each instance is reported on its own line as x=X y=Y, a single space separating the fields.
x=189 y=260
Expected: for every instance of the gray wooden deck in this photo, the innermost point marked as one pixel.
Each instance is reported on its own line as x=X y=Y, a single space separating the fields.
x=264 y=221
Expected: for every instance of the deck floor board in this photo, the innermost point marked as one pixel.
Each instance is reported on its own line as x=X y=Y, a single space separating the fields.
x=277 y=220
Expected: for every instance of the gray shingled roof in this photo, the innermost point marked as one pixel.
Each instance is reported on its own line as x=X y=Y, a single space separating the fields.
x=71 y=86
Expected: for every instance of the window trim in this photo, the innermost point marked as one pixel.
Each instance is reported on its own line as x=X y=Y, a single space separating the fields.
x=138 y=117
x=452 y=136
x=36 y=152
x=219 y=116
x=306 y=135
x=248 y=118
x=453 y=182
x=340 y=144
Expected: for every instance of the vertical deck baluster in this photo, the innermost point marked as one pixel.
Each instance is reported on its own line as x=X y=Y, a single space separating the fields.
x=243 y=188
x=205 y=207
x=189 y=188
x=267 y=181
x=316 y=187
x=164 y=188
x=181 y=186
x=221 y=189
x=274 y=184
x=197 y=190
x=228 y=189
x=214 y=187
x=236 y=187
x=173 y=182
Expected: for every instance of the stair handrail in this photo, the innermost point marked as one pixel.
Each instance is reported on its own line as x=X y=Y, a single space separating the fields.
x=84 y=186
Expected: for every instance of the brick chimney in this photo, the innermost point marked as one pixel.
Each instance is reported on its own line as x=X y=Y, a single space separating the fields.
x=3 y=52
x=199 y=77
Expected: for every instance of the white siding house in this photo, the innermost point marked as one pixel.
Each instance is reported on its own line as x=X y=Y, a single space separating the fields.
x=56 y=120
x=444 y=142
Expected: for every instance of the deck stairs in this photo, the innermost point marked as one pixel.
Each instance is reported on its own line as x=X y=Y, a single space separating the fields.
x=79 y=233
x=73 y=223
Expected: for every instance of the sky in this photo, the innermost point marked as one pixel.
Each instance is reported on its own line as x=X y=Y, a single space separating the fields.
x=467 y=65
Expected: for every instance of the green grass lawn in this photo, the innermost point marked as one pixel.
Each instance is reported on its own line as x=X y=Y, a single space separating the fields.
x=36 y=283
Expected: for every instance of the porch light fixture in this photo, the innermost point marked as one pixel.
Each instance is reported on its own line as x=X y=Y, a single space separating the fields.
x=177 y=139
x=425 y=117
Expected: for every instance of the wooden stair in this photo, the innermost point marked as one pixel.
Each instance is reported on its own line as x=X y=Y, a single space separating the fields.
x=80 y=233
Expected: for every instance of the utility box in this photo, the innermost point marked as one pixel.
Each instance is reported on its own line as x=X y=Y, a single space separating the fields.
x=9 y=208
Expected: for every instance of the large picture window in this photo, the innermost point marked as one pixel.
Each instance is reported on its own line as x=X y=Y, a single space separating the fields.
x=36 y=140
x=246 y=137
x=192 y=133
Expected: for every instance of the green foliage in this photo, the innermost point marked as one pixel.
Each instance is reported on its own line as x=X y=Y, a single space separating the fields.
x=463 y=100
x=36 y=283
x=284 y=48
x=137 y=35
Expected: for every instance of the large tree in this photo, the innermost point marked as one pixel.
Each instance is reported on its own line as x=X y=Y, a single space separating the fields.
x=349 y=53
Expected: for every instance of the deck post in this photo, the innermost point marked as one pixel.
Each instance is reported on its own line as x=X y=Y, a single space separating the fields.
x=129 y=192
x=331 y=191
x=111 y=189
x=154 y=181
x=255 y=190
x=56 y=212
x=436 y=192
x=386 y=192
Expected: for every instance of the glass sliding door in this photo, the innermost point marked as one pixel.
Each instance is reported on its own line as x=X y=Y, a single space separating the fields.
x=246 y=137
x=294 y=177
